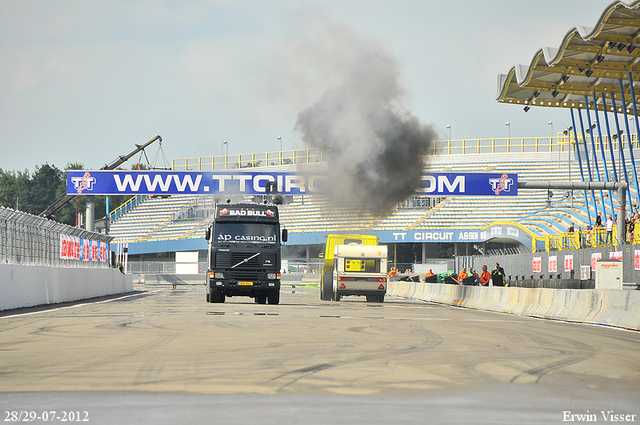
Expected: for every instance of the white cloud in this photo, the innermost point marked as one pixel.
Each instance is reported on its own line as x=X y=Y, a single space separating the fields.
x=84 y=81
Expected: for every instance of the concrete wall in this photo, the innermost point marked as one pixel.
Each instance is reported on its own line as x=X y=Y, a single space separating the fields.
x=170 y=279
x=520 y=264
x=28 y=286
x=200 y=279
x=619 y=308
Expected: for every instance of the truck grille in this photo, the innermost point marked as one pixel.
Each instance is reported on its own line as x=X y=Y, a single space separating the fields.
x=226 y=260
x=245 y=275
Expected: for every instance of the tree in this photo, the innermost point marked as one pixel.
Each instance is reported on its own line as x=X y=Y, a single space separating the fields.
x=40 y=190
x=445 y=250
x=34 y=193
x=67 y=214
x=12 y=185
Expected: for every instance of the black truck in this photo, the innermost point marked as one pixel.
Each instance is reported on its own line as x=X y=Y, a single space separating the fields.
x=244 y=253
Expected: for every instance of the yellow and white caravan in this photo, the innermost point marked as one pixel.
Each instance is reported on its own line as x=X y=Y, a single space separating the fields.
x=360 y=270
x=326 y=279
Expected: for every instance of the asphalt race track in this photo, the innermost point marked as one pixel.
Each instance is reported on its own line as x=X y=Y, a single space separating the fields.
x=161 y=355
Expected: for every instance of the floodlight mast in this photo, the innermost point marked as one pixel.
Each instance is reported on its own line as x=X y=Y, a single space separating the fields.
x=620 y=187
x=52 y=209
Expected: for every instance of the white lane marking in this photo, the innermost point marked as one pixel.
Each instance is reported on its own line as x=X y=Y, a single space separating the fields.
x=71 y=306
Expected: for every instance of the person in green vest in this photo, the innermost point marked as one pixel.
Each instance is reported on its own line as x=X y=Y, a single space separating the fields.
x=497 y=276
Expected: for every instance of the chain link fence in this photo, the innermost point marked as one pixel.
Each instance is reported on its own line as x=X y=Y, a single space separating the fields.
x=159 y=267
x=27 y=239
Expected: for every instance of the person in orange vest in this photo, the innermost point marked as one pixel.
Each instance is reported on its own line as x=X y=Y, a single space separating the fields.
x=485 y=276
x=463 y=274
x=430 y=277
x=393 y=272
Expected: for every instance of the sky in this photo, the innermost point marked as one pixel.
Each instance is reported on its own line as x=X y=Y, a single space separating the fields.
x=84 y=81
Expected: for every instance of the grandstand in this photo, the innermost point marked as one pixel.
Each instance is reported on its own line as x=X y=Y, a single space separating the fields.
x=153 y=218
x=592 y=73
x=180 y=217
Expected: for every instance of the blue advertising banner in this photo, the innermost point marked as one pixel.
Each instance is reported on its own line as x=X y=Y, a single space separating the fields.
x=506 y=232
x=502 y=231
x=475 y=184
x=253 y=183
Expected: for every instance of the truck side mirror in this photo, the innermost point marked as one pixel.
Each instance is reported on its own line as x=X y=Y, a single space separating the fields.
x=285 y=235
x=207 y=234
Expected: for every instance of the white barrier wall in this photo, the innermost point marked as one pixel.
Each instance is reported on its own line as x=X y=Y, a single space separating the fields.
x=28 y=286
x=611 y=307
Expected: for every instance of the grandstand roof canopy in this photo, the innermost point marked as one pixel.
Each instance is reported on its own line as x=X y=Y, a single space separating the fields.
x=588 y=60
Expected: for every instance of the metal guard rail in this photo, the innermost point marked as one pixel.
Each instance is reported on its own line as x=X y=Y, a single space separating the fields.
x=559 y=143
x=593 y=238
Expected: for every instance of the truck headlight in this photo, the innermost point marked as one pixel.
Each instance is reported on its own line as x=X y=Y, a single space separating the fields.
x=271 y=276
x=219 y=275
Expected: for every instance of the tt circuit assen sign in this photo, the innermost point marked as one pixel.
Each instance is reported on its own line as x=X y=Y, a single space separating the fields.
x=253 y=183
x=495 y=231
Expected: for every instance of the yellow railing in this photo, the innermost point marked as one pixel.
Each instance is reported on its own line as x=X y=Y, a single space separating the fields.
x=559 y=143
x=584 y=239
x=492 y=146
x=125 y=207
x=250 y=160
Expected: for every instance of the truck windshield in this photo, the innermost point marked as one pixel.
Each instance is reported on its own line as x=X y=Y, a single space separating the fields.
x=257 y=233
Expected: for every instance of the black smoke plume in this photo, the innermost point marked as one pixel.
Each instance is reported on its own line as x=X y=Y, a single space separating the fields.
x=370 y=142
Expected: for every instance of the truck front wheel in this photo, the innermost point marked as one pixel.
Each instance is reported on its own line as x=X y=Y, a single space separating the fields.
x=274 y=296
x=216 y=296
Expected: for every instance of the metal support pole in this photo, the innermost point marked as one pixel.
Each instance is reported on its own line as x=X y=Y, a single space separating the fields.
x=595 y=156
x=90 y=213
x=107 y=219
x=126 y=257
x=602 y=150
x=626 y=123
x=570 y=186
x=606 y=119
x=575 y=136
x=635 y=106
x=395 y=256
x=621 y=188
x=622 y=228
x=621 y=146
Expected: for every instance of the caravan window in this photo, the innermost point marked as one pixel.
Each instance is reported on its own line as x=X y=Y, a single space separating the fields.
x=360 y=265
x=352 y=242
